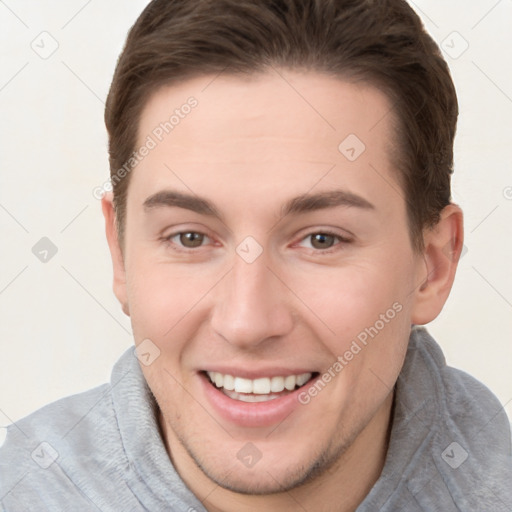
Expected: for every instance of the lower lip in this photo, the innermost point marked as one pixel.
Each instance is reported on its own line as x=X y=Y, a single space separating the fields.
x=251 y=414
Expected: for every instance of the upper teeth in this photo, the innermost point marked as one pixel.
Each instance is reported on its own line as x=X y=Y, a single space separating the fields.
x=260 y=386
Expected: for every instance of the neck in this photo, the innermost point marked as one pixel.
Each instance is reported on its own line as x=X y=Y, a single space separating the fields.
x=341 y=488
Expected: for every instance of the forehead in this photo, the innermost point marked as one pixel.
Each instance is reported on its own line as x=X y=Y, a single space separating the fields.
x=281 y=131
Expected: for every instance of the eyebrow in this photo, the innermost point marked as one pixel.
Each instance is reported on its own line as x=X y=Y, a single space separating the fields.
x=171 y=198
x=300 y=204
x=330 y=199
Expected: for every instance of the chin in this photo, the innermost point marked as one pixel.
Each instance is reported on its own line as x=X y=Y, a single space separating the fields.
x=259 y=480
x=277 y=474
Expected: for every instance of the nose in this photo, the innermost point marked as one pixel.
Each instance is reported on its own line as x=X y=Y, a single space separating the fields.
x=251 y=306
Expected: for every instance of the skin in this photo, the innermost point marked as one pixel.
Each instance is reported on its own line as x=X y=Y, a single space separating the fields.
x=250 y=146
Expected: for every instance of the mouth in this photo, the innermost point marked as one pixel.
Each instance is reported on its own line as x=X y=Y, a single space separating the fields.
x=263 y=389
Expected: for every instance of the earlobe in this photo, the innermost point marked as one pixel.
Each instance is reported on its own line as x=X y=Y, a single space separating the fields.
x=118 y=266
x=443 y=247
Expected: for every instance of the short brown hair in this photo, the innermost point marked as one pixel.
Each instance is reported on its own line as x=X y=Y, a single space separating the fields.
x=381 y=42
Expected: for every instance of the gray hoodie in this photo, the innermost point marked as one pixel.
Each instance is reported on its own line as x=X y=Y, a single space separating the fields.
x=102 y=451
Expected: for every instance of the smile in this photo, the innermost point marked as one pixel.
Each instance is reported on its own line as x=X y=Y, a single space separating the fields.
x=257 y=390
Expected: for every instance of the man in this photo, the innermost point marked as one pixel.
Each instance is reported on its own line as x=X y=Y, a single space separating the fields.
x=280 y=228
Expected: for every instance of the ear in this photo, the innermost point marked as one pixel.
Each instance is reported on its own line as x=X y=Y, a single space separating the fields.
x=107 y=206
x=443 y=246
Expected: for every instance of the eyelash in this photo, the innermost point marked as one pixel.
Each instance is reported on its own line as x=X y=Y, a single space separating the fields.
x=180 y=248
x=341 y=241
x=336 y=247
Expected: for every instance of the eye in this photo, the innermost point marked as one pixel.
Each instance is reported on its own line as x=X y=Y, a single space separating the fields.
x=322 y=240
x=188 y=239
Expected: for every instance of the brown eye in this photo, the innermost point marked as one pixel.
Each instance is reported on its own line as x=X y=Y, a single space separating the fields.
x=191 y=239
x=322 y=240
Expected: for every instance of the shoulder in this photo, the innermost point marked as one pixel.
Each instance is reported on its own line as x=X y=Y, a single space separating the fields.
x=44 y=450
x=56 y=419
x=463 y=401
x=59 y=417
x=470 y=444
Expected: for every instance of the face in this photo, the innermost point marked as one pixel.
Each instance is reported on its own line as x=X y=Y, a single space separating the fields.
x=267 y=249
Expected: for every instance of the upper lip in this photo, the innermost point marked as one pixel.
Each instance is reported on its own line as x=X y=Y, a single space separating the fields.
x=260 y=373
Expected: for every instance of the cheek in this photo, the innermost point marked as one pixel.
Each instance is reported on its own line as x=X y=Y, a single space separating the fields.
x=162 y=311
x=352 y=298
x=165 y=298
x=154 y=298
x=366 y=308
